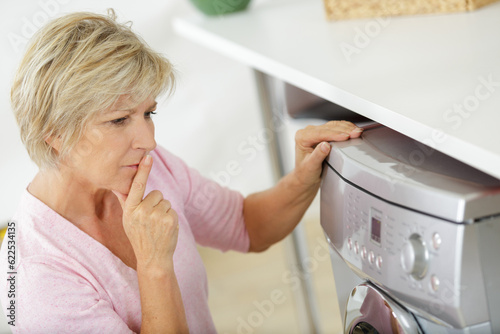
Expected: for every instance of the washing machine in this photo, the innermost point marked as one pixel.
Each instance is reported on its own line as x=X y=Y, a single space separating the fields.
x=414 y=237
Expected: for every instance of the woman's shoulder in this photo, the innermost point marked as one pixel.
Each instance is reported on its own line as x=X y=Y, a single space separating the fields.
x=169 y=167
x=166 y=158
x=171 y=175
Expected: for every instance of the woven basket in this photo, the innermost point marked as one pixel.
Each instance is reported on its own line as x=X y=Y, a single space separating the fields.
x=350 y=9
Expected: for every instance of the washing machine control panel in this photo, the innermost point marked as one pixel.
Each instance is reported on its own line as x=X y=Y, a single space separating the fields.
x=396 y=245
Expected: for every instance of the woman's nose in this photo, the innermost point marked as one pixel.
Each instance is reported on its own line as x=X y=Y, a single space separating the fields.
x=144 y=136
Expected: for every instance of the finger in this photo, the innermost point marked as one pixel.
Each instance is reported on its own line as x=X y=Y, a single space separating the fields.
x=319 y=154
x=138 y=186
x=163 y=206
x=356 y=133
x=309 y=137
x=345 y=126
x=331 y=131
x=152 y=199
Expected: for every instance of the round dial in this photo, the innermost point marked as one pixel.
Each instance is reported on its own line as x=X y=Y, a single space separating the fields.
x=415 y=257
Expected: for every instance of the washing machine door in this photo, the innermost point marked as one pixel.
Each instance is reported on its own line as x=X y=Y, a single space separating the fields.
x=370 y=311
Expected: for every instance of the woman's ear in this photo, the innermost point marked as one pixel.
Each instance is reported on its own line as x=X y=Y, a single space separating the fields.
x=54 y=142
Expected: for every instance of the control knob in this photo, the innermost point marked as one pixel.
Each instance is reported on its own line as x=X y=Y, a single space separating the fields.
x=415 y=257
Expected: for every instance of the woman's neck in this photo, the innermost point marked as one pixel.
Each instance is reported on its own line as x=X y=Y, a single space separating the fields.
x=70 y=197
x=96 y=212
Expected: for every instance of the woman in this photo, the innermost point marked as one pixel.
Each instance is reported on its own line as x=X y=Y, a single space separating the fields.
x=107 y=229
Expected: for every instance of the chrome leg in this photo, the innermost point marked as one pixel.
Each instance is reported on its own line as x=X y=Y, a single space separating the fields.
x=274 y=112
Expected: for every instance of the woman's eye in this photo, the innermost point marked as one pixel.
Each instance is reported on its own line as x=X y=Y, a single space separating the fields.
x=119 y=121
x=148 y=114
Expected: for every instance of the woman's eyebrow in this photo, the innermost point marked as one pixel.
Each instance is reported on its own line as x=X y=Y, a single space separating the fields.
x=131 y=110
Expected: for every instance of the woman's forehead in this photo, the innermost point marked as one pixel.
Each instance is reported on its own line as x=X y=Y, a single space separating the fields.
x=129 y=103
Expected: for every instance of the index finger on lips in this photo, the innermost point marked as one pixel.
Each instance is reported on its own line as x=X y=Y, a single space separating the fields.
x=138 y=187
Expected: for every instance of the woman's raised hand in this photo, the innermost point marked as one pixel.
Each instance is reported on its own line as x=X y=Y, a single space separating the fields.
x=151 y=224
x=152 y=227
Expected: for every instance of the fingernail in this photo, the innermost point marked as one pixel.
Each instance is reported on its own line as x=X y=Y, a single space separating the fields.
x=358 y=130
x=325 y=147
x=148 y=160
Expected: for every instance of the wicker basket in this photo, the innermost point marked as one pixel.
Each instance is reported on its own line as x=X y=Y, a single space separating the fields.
x=350 y=9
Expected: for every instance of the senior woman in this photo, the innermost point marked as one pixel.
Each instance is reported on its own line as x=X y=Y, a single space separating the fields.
x=107 y=229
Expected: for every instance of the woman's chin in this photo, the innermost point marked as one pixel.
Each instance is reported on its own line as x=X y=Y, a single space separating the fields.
x=122 y=188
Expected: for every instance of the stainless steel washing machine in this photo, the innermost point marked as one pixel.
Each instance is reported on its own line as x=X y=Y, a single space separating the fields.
x=414 y=236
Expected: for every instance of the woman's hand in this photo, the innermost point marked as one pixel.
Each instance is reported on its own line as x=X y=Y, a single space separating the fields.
x=311 y=147
x=151 y=224
x=272 y=214
x=152 y=227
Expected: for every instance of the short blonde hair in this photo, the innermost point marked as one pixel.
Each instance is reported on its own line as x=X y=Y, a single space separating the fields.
x=76 y=67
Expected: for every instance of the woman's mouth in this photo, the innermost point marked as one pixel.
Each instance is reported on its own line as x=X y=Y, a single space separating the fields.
x=134 y=167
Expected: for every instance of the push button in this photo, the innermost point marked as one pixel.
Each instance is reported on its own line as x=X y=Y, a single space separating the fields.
x=436 y=241
x=434 y=282
x=371 y=257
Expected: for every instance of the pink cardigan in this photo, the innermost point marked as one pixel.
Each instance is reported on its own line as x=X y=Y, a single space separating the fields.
x=67 y=282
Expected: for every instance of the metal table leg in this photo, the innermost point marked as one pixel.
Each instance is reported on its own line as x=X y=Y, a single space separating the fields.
x=274 y=111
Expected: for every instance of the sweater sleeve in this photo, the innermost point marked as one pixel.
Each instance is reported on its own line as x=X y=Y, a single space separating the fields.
x=52 y=299
x=214 y=213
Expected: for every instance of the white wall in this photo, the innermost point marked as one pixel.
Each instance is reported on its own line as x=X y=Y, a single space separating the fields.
x=213 y=111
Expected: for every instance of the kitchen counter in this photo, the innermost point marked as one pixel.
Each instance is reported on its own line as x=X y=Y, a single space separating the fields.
x=435 y=78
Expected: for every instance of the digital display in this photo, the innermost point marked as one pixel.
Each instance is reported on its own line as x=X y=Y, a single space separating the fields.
x=376 y=230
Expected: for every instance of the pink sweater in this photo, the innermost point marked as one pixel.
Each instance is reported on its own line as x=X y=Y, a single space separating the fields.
x=67 y=282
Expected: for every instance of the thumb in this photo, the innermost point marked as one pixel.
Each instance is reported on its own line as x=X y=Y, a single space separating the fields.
x=311 y=166
x=121 y=198
x=319 y=154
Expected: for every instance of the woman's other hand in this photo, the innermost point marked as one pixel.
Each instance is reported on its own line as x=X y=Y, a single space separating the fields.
x=311 y=147
x=151 y=224
x=272 y=214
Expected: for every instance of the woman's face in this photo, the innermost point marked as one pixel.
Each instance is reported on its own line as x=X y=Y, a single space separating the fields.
x=112 y=146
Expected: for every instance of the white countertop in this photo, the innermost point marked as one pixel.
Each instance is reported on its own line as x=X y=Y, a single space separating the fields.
x=435 y=78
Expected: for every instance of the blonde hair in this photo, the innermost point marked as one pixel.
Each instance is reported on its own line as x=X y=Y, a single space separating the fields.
x=76 y=67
